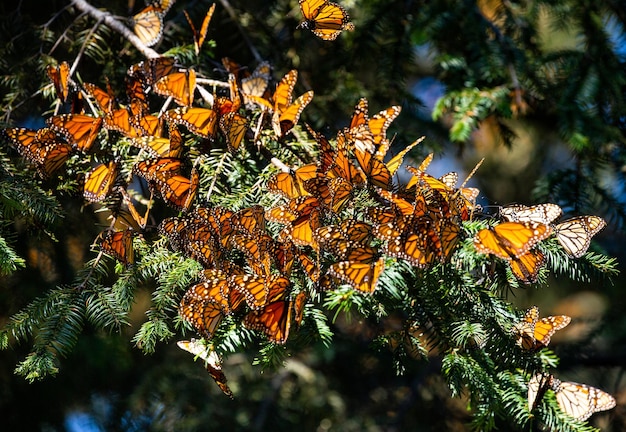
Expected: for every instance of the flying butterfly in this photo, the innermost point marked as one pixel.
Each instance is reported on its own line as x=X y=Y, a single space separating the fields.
x=42 y=148
x=510 y=240
x=574 y=235
x=79 y=130
x=212 y=361
x=148 y=23
x=99 y=181
x=324 y=18
x=534 y=333
x=200 y=36
x=118 y=244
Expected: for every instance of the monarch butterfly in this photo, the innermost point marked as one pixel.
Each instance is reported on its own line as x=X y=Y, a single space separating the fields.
x=79 y=130
x=178 y=191
x=298 y=307
x=343 y=167
x=250 y=219
x=178 y=85
x=158 y=169
x=204 y=307
x=257 y=251
x=60 y=75
x=137 y=97
x=412 y=246
x=99 y=181
x=370 y=134
x=302 y=218
x=291 y=184
x=350 y=229
x=541 y=213
x=104 y=99
x=575 y=234
x=219 y=219
x=212 y=361
x=538 y=384
x=361 y=276
x=119 y=244
x=151 y=70
x=285 y=111
x=121 y=120
x=534 y=333
x=324 y=18
x=256 y=84
x=258 y=291
x=526 y=267
x=579 y=401
x=199 y=36
x=161 y=147
x=274 y=320
x=374 y=169
x=510 y=240
x=201 y=244
x=42 y=148
x=234 y=127
x=199 y=121
x=148 y=23
x=397 y=160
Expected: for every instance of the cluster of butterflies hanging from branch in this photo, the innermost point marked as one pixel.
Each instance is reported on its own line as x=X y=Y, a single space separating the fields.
x=325 y=238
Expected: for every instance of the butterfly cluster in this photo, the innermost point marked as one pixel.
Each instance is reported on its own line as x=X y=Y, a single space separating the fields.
x=338 y=219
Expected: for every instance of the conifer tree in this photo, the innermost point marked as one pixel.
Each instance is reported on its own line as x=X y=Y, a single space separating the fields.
x=189 y=160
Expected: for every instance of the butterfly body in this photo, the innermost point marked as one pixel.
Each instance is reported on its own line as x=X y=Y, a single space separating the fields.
x=324 y=18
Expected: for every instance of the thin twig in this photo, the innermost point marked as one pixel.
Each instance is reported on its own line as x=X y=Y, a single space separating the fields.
x=116 y=25
x=83 y=47
x=244 y=34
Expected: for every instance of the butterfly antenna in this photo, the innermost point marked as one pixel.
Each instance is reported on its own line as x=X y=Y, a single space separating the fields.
x=480 y=162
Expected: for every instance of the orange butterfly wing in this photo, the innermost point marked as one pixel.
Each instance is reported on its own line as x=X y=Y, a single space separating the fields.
x=79 y=130
x=510 y=240
x=119 y=244
x=99 y=181
x=199 y=121
x=178 y=85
